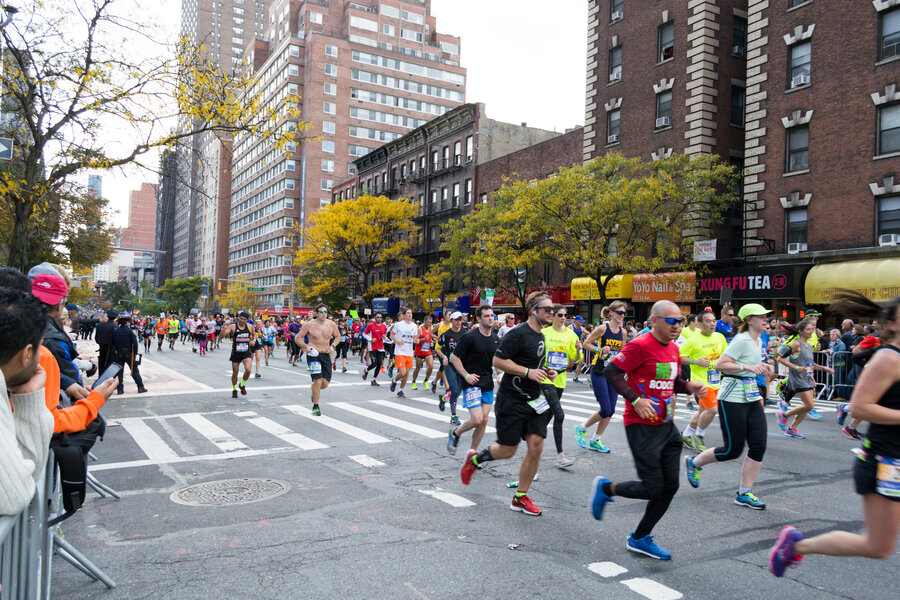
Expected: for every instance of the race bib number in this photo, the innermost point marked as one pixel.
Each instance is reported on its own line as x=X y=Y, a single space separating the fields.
x=751 y=390
x=887 y=477
x=343 y=338
x=539 y=404
x=713 y=377
x=426 y=346
x=241 y=347
x=315 y=367
x=472 y=398
x=558 y=361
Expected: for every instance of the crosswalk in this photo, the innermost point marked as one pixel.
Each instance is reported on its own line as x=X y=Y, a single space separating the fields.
x=291 y=427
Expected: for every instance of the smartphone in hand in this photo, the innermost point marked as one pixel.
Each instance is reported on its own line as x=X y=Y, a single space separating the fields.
x=110 y=372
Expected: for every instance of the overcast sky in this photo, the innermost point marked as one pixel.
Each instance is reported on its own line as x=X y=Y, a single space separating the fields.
x=525 y=59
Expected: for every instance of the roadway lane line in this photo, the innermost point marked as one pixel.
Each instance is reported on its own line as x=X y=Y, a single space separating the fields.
x=223 y=440
x=651 y=589
x=358 y=433
x=183 y=459
x=419 y=412
x=285 y=434
x=607 y=569
x=448 y=498
x=366 y=461
x=148 y=441
x=429 y=433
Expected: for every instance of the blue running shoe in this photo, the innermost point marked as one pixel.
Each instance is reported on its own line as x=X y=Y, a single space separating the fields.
x=782 y=420
x=793 y=433
x=599 y=499
x=692 y=472
x=814 y=415
x=598 y=446
x=842 y=411
x=452 y=442
x=646 y=545
x=393 y=385
x=580 y=436
x=782 y=555
x=749 y=500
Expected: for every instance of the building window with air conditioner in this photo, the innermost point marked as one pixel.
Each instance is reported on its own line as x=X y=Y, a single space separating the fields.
x=889 y=34
x=739 y=37
x=798 y=71
x=664 y=109
x=616 y=10
x=889 y=129
x=666 y=42
x=889 y=221
x=797 y=148
x=612 y=126
x=795 y=221
x=615 y=64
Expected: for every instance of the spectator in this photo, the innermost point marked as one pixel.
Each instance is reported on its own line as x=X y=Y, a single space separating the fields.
x=869 y=342
x=25 y=427
x=725 y=325
x=847 y=336
x=125 y=352
x=104 y=338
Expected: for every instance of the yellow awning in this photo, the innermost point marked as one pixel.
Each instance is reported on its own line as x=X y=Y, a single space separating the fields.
x=585 y=288
x=878 y=279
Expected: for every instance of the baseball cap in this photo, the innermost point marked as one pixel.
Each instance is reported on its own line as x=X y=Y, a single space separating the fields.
x=752 y=310
x=44 y=268
x=811 y=312
x=578 y=318
x=456 y=315
x=49 y=289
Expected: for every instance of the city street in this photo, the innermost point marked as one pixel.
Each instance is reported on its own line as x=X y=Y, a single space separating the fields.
x=364 y=502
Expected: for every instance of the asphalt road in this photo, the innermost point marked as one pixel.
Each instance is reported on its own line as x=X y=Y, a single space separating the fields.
x=374 y=506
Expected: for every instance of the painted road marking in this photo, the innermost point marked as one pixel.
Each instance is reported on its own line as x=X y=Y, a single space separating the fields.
x=148 y=441
x=607 y=569
x=448 y=498
x=419 y=412
x=651 y=589
x=245 y=413
x=223 y=440
x=283 y=433
x=430 y=433
x=358 y=433
x=366 y=461
x=183 y=459
x=176 y=374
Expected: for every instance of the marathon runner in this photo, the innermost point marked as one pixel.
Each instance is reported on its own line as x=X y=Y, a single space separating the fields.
x=563 y=352
x=576 y=326
x=174 y=329
x=242 y=335
x=405 y=334
x=270 y=333
x=256 y=347
x=423 y=352
x=522 y=409
x=445 y=347
x=507 y=326
x=323 y=337
x=389 y=345
x=437 y=331
x=651 y=365
x=162 y=327
x=344 y=347
x=148 y=333
x=376 y=332
x=700 y=352
x=798 y=357
x=293 y=349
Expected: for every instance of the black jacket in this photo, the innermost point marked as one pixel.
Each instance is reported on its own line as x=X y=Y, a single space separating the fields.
x=104 y=333
x=124 y=343
x=60 y=344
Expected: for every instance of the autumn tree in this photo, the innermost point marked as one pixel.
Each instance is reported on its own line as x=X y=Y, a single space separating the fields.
x=182 y=292
x=324 y=283
x=75 y=71
x=421 y=292
x=362 y=234
x=238 y=296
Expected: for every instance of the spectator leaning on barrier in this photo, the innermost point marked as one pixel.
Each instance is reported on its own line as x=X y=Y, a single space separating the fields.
x=25 y=426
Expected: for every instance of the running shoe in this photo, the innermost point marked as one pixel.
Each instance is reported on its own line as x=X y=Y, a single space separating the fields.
x=563 y=461
x=400 y=394
x=316 y=411
x=442 y=403
x=690 y=405
x=258 y=376
x=580 y=436
x=576 y=380
x=598 y=446
x=646 y=545
x=452 y=441
x=699 y=444
x=851 y=431
x=365 y=374
x=791 y=432
x=234 y=393
x=782 y=420
x=814 y=415
x=425 y=384
x=749 y=500
x=692 y=471
x=344 y=370
x=375 y=384
x=393 y=385
x=267 y=363
x=468 y=468
x=454 y=420
x=390 y=372
x=842 y=411
x=783 y=406
x=243 y=389
x=599 y=498
x=782 y=554
x=525 y=505
x=687 y=441
x=434 y=387
x=414 y=385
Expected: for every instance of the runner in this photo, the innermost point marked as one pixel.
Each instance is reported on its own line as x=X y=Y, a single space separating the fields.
x=437 y=331
x=405 y=335
x=319 y=339
x=507 y=326
x=183 y=329
x=344 y=346
x=162 y=327
x=576 y=326
x=241 y=334
x=444 y=348
x=876 y=471
x=202 y=332
x=522 y=409
x=423 y=352
x=192 y=323
x=469 y=370
x=148 y=333
x=293 y=349
x=270 y=333
x=606 y=341
x=797 y=356
x=376 y=332
x=389 y=345
x=256 y=347
x=355 y=339
x=743 y=412
x=700 y=352
x=563 y=352
x=652 y=366
x=174 y=328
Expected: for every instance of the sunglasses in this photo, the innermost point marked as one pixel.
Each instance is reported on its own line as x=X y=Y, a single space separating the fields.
x=561 y=315
x=322 y=312
x=619 y=312
x=547 y=308
x=673 y=320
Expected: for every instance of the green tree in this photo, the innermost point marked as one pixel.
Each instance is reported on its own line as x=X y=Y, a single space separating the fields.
x=182 y=292
x=423 y=292
x=116 y=291
x=325 y=283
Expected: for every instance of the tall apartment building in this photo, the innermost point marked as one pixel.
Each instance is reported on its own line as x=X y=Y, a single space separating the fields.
x=363 y=73
x=140 y=234
x=165 y=216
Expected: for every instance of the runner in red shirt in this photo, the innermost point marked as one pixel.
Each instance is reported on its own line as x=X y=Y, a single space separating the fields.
x=423 y=352
x=355 y=330
x=376 y=332
x=652 y=364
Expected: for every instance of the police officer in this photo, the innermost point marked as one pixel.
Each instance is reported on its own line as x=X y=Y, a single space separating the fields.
x=104 y=339
x=124 y=352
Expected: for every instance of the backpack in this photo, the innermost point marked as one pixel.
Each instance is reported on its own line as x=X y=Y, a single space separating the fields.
x=71 y=453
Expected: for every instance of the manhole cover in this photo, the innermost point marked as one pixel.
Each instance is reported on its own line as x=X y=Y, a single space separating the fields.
x=230 y=491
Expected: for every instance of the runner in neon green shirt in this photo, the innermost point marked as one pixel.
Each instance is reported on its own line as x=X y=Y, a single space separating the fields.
x=563 y=351
x=700 y=352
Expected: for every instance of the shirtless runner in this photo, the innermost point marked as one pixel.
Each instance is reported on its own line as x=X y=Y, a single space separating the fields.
x=324 y=338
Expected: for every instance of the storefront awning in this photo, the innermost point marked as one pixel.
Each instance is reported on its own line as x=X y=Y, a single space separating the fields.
x=653 y=287
x=878 y=280
x=585 y=288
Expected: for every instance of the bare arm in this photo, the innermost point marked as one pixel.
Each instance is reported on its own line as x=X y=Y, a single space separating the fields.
x=881 y=372
x=594 y=336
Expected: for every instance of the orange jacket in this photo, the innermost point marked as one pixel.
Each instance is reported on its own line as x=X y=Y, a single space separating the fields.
x=73 y=418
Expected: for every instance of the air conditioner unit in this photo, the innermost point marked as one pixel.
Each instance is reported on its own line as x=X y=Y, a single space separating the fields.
x=737 y=50
x=801 y=79
x=796 y=248
x=615 y=75
x=616 y=15
x=663 y=122
x=612 y=139
x=889 y=239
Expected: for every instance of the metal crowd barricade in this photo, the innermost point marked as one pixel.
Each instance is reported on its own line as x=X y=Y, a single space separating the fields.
x=838 y=384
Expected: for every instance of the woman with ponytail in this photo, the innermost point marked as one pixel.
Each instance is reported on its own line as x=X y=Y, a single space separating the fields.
x=798 y=357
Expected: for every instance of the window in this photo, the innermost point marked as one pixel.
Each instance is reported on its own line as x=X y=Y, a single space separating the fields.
x=738 y=99
x=794 y=3
x=411 y=35
x=666 y=43
x=435 y=157
x=796 y=226
x=739 y=35
x=412 y=17
x=889 y=215
x=434 y=196
x=484 y=198
x=388 y=30
x=331 y=89
x=327 y=126
x=889 y=129
x=798 y=73
x=664 y=109
x=351 y=169
x=615 y=64
x=361 y=23
x=469 y=148
x=456 y=194
x=616 y=11
x=331 y=50
x=445 y=194
x=315 y=17
x=798 y=148
x=612 y=126
x=468 y=197
x=328 y=146
x=328 y=165
x=390 y=11
x=457 y=152
x=331 y=70
x=289 y=184
x=329 y=108
x=889 y=34
x=421 y=204
x=290 y=165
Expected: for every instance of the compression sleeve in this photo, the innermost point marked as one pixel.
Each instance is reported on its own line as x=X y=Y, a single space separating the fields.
x=616 y=376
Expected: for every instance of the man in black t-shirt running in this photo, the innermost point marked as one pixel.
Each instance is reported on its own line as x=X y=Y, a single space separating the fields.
x=522 y=410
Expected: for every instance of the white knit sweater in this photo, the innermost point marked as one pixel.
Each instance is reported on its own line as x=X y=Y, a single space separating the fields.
x=24 y=444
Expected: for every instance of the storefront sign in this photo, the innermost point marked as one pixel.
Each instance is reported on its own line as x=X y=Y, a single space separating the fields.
x=652 y=287
x=755 y=283
x=705 y=250
x=585 y=288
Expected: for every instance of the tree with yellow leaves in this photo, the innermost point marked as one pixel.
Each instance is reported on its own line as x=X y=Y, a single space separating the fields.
x=423 y=292
x=72 y=72
x=362 y=234
x=238 y=296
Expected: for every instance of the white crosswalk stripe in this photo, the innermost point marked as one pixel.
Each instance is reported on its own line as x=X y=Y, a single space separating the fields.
x=285 y=434
x=148 y=440
x=220 y=438
x=431 y=433
x=418 y=411
x=358 y=433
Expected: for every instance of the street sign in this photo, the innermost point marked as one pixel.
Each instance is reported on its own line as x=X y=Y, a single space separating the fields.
x=6 y=148
x=256 y=289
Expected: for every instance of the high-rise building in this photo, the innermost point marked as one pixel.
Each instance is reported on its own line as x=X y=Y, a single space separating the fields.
x=140 y=234
x=165 y=216
x=362 y=73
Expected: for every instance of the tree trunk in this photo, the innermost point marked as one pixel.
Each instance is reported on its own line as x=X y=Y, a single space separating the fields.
x=18 y=250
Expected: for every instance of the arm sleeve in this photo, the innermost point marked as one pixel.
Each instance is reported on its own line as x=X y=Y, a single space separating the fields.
x=680 y=386
x=616 y=376
x=24 y=445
